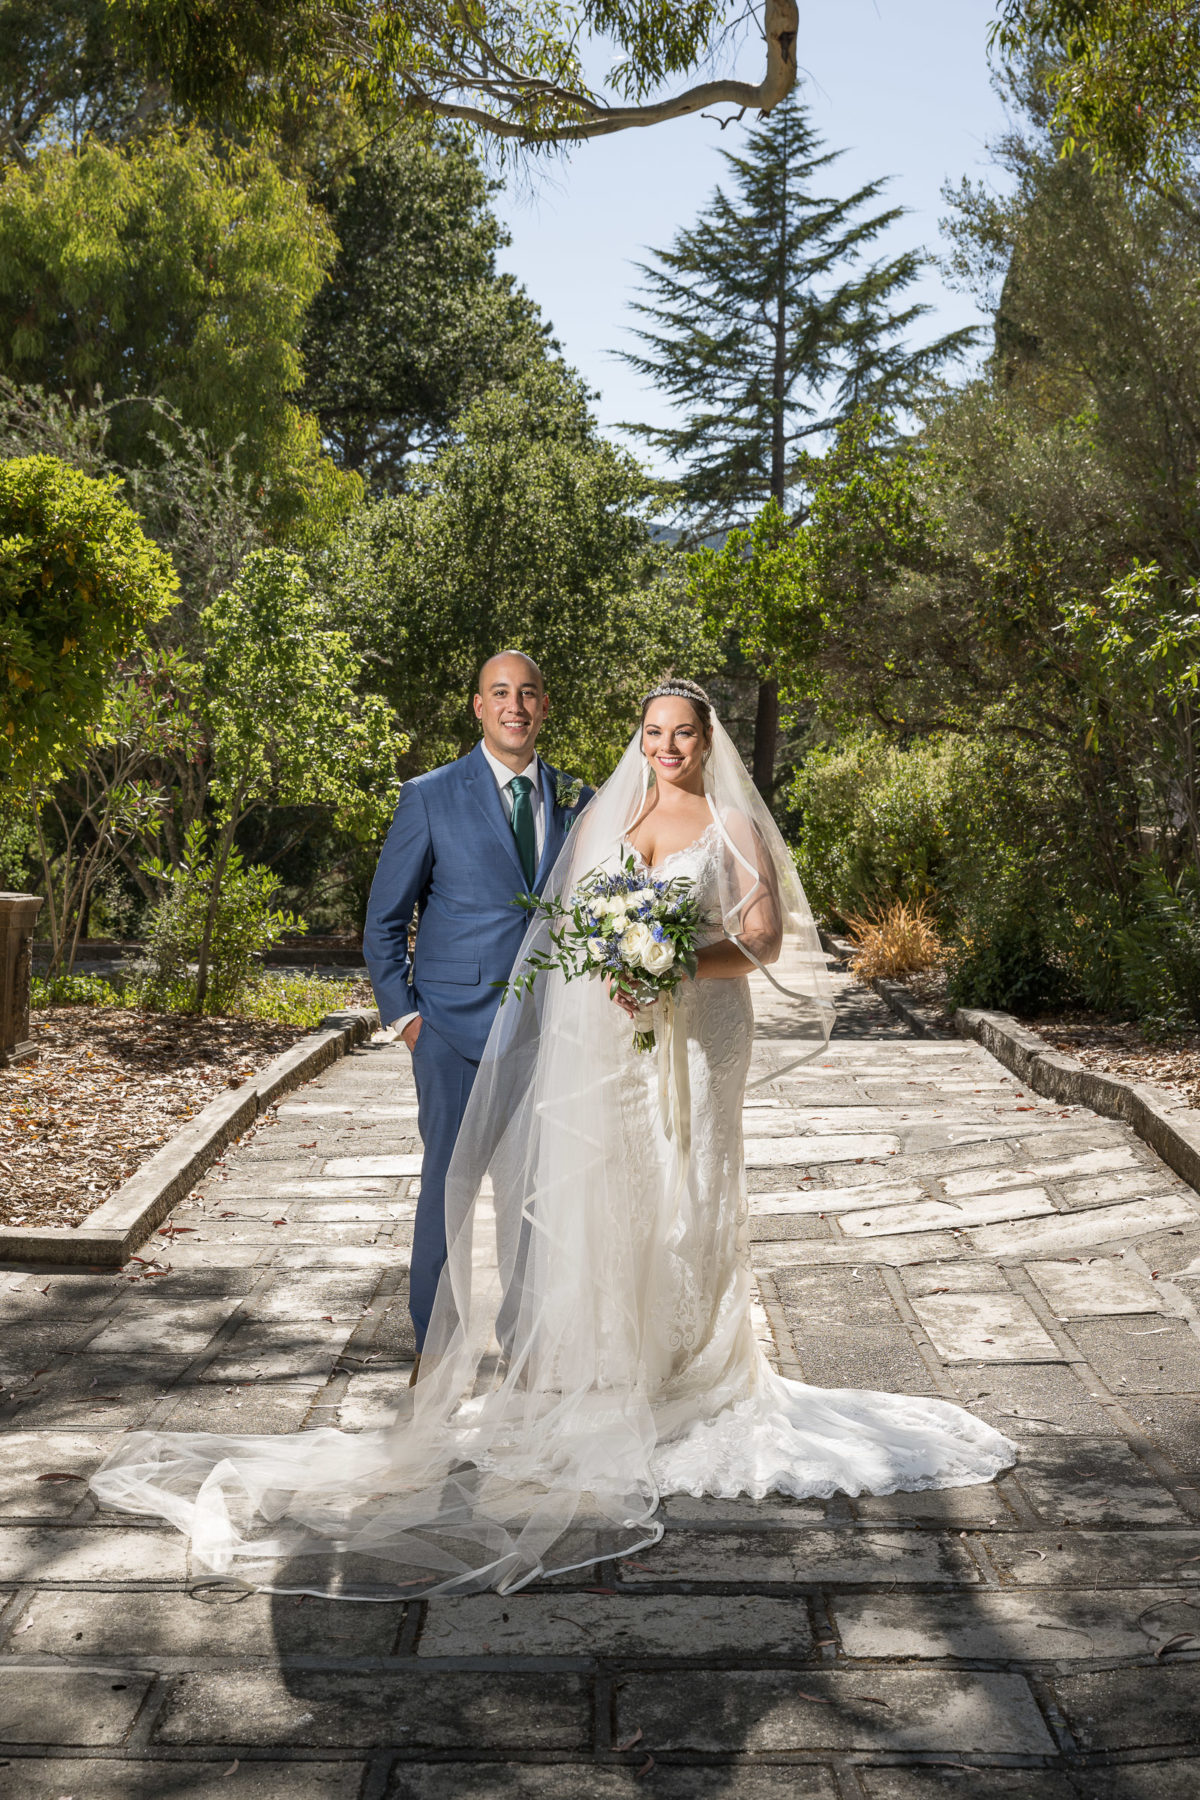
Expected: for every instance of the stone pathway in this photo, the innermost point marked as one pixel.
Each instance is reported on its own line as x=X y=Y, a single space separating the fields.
x=919 y=1223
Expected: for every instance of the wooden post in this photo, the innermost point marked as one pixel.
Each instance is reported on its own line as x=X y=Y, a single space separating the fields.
x=17 y=915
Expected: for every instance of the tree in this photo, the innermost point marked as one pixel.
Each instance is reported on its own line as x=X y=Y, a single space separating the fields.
x=1024 y=575
x=63 y=77
x=168 y=270
x=284 y=722
x=79 y=584
x=414 y=320
x=767 y=330
x=529 y=531
x=512 y=72
x=1123 y=76
x=190 y=498
x=113 y=799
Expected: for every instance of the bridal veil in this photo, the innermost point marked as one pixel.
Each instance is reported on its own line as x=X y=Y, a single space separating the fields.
x=527 y=1446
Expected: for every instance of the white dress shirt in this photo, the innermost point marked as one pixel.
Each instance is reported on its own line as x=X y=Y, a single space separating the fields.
x=504 y=775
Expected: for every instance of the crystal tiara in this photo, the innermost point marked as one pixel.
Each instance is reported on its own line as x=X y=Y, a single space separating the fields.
x=674 y=688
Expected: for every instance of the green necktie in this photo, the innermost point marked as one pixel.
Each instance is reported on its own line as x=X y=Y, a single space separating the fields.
x=522 y=823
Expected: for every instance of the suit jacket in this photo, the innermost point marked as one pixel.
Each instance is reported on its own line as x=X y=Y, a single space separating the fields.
x=451 y=853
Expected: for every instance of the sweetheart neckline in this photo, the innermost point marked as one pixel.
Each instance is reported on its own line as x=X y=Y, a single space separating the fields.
x=653 y=868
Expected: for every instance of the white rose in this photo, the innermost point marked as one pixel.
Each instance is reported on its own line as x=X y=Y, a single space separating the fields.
x=658 y=957
x=636 y=943
x=597 y=947
x=599 y=906
x=618 y=918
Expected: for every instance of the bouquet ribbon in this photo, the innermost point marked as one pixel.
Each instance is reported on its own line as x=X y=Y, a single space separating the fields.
x=674 y=1089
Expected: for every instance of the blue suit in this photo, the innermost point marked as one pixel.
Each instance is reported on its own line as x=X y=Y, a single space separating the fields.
x=451 y=854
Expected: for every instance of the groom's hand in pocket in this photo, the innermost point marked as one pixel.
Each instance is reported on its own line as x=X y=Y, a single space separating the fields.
x=411 y=1033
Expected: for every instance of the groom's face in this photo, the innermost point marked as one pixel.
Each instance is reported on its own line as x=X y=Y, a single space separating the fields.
x=511 y=706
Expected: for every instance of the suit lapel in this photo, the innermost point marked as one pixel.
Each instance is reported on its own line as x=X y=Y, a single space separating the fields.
x=481 y=786
x=552 y=814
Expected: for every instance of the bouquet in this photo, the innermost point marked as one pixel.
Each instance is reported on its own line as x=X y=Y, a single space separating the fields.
x=638 y=933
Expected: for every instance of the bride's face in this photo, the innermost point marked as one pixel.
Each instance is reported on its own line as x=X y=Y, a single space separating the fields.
x=673 y=743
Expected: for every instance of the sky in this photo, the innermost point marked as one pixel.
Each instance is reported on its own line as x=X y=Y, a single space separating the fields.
x=902 y=86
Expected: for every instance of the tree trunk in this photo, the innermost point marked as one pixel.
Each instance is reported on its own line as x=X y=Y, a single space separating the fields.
x=766 y=736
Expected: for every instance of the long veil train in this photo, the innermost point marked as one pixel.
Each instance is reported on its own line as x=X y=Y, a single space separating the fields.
x=558 y=1394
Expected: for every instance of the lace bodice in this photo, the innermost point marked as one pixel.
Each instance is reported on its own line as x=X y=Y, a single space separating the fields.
x=700 y=862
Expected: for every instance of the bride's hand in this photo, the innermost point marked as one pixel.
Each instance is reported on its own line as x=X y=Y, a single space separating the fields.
x=626 y=1002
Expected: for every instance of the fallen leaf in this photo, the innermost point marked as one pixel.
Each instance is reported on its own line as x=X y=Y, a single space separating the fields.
x=820 y=1700
x=646 y=1767
x=58 y=1475
x=630 y=1742
x=1181 y=1637
x=231 y=1770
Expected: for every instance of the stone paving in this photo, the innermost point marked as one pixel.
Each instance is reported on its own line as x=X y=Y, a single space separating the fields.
x=919 y=1222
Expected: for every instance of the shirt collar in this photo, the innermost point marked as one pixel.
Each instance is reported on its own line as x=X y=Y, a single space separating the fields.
x=504 y=774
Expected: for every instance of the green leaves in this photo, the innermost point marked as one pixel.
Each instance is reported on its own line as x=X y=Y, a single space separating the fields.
x=530 y=532
x=285 y=721
x=172 y=270
x=765 y=326
x=79 y=582
x=515 y=70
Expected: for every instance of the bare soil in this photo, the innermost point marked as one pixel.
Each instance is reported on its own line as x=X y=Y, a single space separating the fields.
x=107 y=1089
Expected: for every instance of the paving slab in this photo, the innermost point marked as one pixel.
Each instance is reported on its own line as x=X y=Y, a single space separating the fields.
x=32 y=1467
x=1133 y=1709
x=1096 y=1559
x=1097 y=1286
x=910 y=1201
x=1014 y=1627
x=985 y=1327
x=210 y=1620
x=681 y=1627
x=87 y=1778
x=754 y=1711
x=76 y=1706
x=1081 y=1481
x=569 y=1780
x=64 y=1553
x=978 y=1783
x=421 y=1709
x=814 y=1558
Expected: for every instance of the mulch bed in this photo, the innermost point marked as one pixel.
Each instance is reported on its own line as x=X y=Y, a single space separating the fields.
x=1113 y=1047
x=109 y=1087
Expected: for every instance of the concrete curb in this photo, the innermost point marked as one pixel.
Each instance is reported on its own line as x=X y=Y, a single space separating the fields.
x=1153 y=1112
x=125 y=1220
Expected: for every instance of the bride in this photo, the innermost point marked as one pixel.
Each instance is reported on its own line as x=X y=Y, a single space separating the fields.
x=591 y=1346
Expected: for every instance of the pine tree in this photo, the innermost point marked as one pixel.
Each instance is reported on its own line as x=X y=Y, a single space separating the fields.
x=767 y=328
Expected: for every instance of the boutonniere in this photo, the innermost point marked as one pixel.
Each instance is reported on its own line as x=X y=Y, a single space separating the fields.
x=567 y=790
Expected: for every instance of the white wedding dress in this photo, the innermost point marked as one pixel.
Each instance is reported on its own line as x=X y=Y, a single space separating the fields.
x=592 y=1345
x=727 y=1424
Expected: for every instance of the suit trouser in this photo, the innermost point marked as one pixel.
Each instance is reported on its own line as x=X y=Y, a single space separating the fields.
x=444 y=1080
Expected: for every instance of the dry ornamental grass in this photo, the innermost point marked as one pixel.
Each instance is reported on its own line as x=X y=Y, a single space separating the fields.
x=893 y=939
x=108 y=1089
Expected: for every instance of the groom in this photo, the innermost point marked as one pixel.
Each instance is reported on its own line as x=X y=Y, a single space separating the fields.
x=466 y=839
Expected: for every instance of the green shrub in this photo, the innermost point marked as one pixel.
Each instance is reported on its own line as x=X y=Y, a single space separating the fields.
x=295 y=999
x=80 y=990
x=79 y=582
x=245 y=924
x=880 y=822
x=1002 y=954
x=1159 y=954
